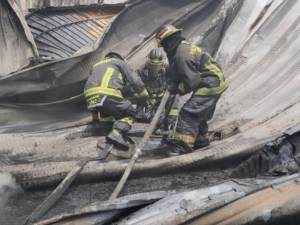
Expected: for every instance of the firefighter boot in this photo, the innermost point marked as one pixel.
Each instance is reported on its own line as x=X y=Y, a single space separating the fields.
x=174 y=147
x=117 y=139
x=201 y=141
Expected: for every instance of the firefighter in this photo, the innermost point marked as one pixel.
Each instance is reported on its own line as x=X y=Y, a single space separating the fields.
x=153 y=74
x=104 y=92
x=192 y=69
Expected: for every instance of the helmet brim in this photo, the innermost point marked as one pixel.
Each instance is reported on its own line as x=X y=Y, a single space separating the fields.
x=159 y=41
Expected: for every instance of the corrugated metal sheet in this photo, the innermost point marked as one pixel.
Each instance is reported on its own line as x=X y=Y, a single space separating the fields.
x=16 y=42
x=37 y=4
x=58 y=3
x=62 y=33
x=278 y=204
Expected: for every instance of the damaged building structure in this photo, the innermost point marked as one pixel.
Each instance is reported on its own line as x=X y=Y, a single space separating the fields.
x=250 y=174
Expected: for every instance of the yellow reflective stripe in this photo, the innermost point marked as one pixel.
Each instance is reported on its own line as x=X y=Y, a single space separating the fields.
x=186 y=138
x=151 y=101
x=92 y=102
x=106 y=78
x=214 y=90
x=174 y=112
x=144 y=93
x=104 y=89
x=121 y=78
x=166 y=34
x=181 y=87
x=91 y=92
x=161 y=94
x=105 y=60
x=92 y=97
x=115 y=132
x=111 y=92
x=127 y=120
x=195 y=49
x=215 y=69
x=106 y=119
x=88 y=93
x=155 y=61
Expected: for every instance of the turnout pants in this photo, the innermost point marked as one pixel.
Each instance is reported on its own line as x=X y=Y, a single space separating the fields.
x=171 y=109
x=193 y=118
x=119 y=112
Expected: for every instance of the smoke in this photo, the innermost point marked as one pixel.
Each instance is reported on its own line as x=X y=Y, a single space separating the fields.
x=8 y=187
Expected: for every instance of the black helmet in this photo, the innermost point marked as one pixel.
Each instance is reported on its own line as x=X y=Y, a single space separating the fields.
x=155 y=56
x=164 y=32
x=114 y=55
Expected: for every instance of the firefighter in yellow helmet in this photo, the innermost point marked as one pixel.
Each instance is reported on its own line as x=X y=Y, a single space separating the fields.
x=153 y=74
x=104 y=92
x=192 y=69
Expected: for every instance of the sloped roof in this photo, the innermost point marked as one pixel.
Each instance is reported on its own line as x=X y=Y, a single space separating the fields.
x=62 y=33
x=16 y=42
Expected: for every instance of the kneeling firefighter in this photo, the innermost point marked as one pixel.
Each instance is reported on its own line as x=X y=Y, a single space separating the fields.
x=192 y=69
x=153 y=74
x=104 y=93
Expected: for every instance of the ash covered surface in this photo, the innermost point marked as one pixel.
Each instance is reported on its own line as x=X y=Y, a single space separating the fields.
x=263 y=70
x=20 y=205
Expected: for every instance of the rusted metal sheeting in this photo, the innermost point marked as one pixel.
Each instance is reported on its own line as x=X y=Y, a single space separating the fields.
x=62 y=33
x=277 y=204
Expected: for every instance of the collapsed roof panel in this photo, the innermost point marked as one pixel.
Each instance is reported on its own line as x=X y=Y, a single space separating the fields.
x=278 y=204
x=259 y=53
x=259 y=127
x=63 y=33
x=260 y=56
x=138 y=23
x=59 y=81
x=16 y=42
x=215 y=17
x=234 y=202
x=39 y=4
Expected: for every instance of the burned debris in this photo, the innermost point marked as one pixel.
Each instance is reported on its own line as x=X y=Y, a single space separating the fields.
x=48 y=137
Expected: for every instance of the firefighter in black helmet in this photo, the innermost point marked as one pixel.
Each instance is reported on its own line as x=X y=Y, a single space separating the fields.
x=153 y=74
x=104 y=93
x=192 y=69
